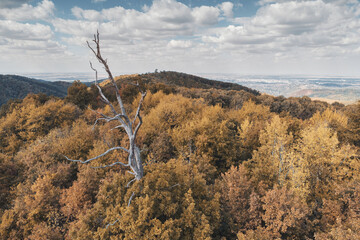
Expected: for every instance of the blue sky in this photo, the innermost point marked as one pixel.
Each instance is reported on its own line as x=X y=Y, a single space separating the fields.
x=319 y=37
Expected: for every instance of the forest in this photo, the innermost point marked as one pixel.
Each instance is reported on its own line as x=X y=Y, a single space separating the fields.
x=220 y=161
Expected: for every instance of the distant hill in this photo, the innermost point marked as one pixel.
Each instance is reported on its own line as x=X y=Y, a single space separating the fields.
x=191 y=81
x=17 y=87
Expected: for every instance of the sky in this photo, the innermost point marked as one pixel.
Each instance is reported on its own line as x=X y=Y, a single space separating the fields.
x=261 y=37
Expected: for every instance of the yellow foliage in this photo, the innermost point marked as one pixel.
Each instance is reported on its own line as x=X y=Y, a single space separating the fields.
x=270 y=163
x=331 y=117
x=319 y=162
x=172 y=201
x=30 y=120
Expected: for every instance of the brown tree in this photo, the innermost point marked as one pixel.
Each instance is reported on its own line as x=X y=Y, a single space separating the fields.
x=240 y=204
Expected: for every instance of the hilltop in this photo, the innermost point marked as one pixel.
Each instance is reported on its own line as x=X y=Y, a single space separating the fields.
x=190 y=81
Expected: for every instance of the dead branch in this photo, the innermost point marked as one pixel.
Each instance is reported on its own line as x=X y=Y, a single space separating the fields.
x=131 y=197
x=112 y=224
x=99 y=156
x=134 y=159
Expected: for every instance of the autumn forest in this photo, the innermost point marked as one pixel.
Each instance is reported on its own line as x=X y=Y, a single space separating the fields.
x=220 y=161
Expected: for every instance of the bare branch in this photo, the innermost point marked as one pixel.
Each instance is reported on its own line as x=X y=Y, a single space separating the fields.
x=175 y=185
x=139 y=125
x=107 y=69
x=96 y=121
x=119 y=126
x=132 y=195
x=112 y=224
x=103 y=97
x=143 y=95
x=99 y=156
x=109 y=119
x=91 y=47
x=128 y=185
x=111 y=165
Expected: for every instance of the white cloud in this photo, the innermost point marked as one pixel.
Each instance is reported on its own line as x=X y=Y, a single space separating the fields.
x=24 y=31
x=293 y=17
x=31 y=41
x=75 y=27
x=163 y=19
x=288 y=28
x=227 y=8
x=86 y=14
x=39 y=47
x=43 y=11
x=179 y=44
x=205 y=15
x=170 y=11
x=97 y=1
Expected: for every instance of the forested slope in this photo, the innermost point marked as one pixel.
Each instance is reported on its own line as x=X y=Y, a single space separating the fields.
x=17 y=87
x=218 y=164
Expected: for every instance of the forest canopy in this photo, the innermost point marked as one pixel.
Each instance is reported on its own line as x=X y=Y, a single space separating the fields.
x=219 y=163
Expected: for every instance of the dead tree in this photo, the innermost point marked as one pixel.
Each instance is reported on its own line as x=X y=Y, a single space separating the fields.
x=129 y=126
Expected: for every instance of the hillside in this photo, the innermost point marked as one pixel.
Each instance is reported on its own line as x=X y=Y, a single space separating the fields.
x=191 y=81
x=17 y=87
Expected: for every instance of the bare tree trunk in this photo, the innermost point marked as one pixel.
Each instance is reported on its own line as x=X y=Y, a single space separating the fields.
x=131 y=129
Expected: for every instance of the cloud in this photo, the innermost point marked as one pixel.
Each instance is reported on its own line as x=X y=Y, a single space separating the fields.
x=170 y=11
x=97 y=1
x=40 y=47
x=291 y=27
x=34 y=40
x=163 y=20
x=179 y=44
x=43 y=11
x=86 y=14
x=12 y=3
x=293 y=17
x=22 y=39
x=75 y=27
x=227 y=8
x=205 y=15
x=24 y=31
